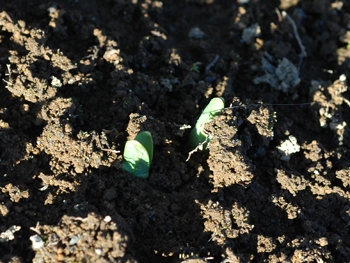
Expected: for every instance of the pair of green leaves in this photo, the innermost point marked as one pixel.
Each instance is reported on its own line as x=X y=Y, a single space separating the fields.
x=138 y=155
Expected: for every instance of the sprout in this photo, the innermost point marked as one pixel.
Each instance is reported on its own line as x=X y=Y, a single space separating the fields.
x=197 y=136
x=138 y=155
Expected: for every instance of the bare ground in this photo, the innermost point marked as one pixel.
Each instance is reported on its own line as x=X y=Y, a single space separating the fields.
x=82 y=77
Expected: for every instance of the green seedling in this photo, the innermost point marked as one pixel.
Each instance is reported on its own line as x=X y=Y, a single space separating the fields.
x=195 y=67
x=198 y=137
x=138 y=155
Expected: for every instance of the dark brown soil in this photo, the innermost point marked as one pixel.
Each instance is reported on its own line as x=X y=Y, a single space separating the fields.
x=79 y=78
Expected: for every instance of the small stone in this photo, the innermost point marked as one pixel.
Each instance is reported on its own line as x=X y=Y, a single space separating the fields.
x=74 y=241
x=196 y=33
x=107 y=219
x=37 y=242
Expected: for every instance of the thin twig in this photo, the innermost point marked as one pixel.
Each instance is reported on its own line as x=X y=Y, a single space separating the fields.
x=8 y=70
x=7 y=82
x=36 y=229
x=303 y=53
x=198 y=148
x=8 y=74
x=212 y=63
x=280 y=18
x=296 y=34
x=272 y=104
x=110 y=150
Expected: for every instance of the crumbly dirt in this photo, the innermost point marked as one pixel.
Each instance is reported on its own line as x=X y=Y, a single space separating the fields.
x=79 y=78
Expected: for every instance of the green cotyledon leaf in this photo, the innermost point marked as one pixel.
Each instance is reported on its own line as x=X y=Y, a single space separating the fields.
x=145 y=138
x=136 y=159
x=213 y=108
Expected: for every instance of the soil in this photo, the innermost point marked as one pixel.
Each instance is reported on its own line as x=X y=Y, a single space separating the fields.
x=80 y=78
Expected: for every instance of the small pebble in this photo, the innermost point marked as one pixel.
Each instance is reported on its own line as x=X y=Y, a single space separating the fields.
x=74 y=241
x=37 y=242
x=196 y=33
